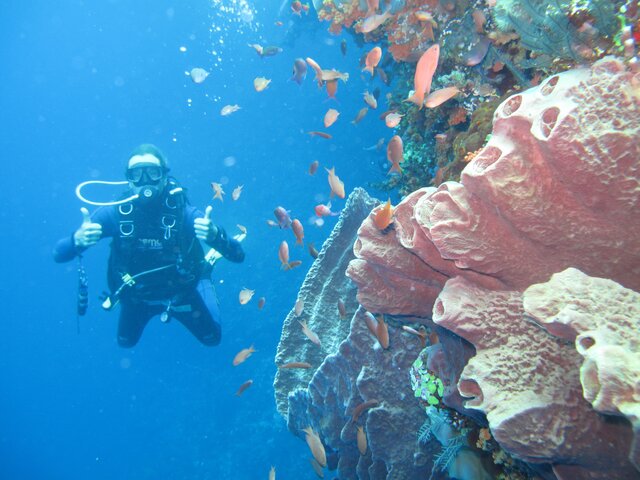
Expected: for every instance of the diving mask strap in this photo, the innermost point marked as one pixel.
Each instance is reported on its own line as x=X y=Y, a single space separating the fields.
x=102 y=182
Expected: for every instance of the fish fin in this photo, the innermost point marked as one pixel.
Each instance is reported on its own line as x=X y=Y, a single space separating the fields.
x=395 y=168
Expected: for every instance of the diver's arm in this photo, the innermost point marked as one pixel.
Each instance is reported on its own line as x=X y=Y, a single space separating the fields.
x=69 y=247
x=214 y=235
x=231 y=249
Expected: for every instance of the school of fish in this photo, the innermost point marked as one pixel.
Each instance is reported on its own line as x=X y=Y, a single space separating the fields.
x=371 y=67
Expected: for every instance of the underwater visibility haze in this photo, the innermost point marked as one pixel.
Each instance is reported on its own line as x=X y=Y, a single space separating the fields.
x=457 y=296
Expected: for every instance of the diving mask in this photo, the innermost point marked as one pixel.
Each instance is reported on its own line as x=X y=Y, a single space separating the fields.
x=145 y=175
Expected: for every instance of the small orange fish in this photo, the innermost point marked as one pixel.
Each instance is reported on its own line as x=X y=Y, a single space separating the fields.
x=260 y=83
x=245 y=295
x=363 y=111
x=337 y=185
x=313 y=167
x=332 y=89
x=312 y=250
x=372 y=60
x=372 y=323
x=423 y=76
x=370 y=100
x=283 y=254
x=298 y=231
x=296 y=365
x=438 y=97
x=428 y=23
x=324 y=210
x=310 y=334
x=218 y=192
x=382 y=333
x=342 y=310
x=235 y=195
x=330 y=117
x=292 y=265
x=316 y=447
x=363 y=407
x=362 y=441
x=383 y=216
x=278 y=23
x=319 y=134
x=261 y=302
x=243 y=387
x=229 y=109
x=393 y=119
x=421 y=334
x=242 y=355
x=372 y=22
x=395 y=153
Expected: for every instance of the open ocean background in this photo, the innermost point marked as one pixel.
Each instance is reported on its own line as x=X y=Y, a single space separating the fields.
x=83 y=83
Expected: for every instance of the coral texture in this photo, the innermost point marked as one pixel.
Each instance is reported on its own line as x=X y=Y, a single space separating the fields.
x=361 y=371
x=324 y=284
x=555 y=187
x=603 y=319
x=528 y=384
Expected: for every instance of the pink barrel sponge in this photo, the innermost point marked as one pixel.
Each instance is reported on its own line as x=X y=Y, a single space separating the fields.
x=556 y=186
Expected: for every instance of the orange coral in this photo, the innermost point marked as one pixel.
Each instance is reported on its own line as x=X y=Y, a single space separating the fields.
x=457 y=116
x=471 y=155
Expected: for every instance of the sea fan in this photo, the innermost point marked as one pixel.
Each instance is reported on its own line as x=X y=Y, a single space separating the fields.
x=448 y=454
x=424 y=433
x=544 y=26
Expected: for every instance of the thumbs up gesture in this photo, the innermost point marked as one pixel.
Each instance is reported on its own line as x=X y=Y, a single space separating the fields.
x=89 y=233
x=204 y=228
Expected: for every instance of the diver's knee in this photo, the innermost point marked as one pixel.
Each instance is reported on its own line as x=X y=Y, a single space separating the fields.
x=210 y=340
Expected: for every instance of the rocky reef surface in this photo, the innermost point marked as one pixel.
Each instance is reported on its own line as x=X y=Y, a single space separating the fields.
x=507 y=260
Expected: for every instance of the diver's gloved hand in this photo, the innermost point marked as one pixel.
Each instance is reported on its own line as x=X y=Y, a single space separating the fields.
x=89 y=233
x=205 y=229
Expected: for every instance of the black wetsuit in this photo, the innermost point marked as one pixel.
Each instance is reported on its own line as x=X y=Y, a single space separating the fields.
x=147 y=238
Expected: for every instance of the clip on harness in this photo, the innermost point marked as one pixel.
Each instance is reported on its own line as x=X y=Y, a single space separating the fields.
x=127 y=228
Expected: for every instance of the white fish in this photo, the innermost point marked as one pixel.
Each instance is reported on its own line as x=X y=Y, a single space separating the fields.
x=198 y=75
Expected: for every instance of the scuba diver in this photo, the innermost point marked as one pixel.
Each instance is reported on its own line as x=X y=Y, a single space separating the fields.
x=157 y=265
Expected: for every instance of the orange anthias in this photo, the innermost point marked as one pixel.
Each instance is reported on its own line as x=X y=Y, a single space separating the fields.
x=283 y=254
x=372 y=60
x=330 y=117
x=383 y=216
x=242 y=355
x=337 y=185
x=438 y=97
x=298 y=231
x=425 y=69
x=395 y=153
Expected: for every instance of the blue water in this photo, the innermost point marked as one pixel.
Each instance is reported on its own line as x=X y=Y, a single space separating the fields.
x=83 y=83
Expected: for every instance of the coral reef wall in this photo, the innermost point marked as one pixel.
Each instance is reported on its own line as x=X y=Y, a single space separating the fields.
x=556 y=186
x=324 y=285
